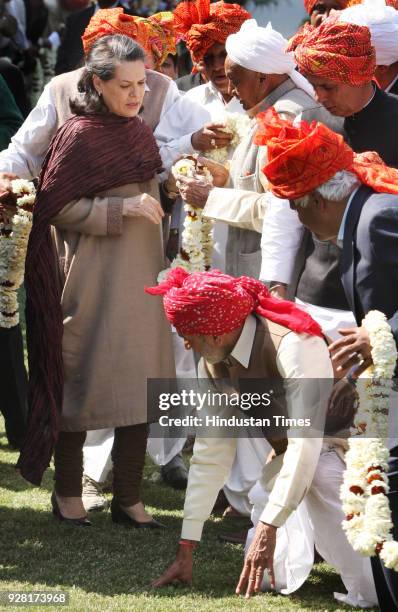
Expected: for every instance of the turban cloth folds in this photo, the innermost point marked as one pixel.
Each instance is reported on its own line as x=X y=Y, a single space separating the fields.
x=202 y=24
x=213 y=303
x=382 y=21
x=305 y=156
x=310 y=4
x=339 y=52
x=161 y=39
x=108 y=22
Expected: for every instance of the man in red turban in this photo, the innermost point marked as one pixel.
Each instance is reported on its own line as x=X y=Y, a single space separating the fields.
x=340 y=62
x=351 y=200
x=202 y=24
x=243 y=333
x=205 y=27
x=339 y=52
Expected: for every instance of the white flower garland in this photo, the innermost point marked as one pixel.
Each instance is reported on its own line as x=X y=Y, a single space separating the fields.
x=196 y=251
x=13 y=244
x=236 y=124
x=365 y=487
x=197 y=237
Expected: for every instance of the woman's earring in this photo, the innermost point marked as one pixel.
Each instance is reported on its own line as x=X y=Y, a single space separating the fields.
x=99 y=93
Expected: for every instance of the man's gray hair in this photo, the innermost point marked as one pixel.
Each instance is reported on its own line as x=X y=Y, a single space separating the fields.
x=339 y=187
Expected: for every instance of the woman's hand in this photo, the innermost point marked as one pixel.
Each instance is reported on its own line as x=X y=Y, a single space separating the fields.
x=219 y=172
x=143 y=205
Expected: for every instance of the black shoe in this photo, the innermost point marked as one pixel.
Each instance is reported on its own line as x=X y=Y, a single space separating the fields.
x=120 y=517
x=79 y=522
x=175 y=473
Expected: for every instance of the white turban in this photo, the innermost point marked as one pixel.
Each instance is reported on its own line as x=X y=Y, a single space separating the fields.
x=263 y=50
x=382 y=22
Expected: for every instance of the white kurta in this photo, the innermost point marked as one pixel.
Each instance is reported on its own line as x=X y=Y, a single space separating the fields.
x=317 y=523
x=299 y=359
x=317 y=520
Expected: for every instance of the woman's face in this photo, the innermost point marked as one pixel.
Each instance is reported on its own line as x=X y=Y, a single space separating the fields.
x=124 y=93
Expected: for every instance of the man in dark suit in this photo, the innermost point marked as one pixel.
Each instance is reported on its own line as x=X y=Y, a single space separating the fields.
x=334 y=193
x=70 y=53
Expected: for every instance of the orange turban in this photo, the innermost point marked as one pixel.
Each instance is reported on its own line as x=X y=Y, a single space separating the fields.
x=161 y=38
x=108 y=22
x=303 y=157
x=202 y=24
x=339 y=52
x=309 y=4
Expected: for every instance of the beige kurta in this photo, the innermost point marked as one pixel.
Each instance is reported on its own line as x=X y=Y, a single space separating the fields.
x=115 y=335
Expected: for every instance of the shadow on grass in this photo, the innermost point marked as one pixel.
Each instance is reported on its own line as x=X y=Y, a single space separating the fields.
x=111 y=560
x=11 y=480
x=104 y=558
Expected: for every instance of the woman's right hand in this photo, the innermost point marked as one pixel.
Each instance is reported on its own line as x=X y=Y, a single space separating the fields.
x=143 y=205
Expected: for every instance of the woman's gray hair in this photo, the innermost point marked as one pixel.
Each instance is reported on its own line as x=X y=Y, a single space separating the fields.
x=336 y=189
x=105 y=54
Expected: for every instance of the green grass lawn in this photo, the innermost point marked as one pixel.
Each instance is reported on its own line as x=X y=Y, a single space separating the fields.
x=110 y=567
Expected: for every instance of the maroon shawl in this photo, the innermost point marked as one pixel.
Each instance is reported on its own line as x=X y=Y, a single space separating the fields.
x=88 y=155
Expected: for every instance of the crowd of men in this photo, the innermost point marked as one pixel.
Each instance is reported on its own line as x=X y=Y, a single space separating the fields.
x=305 y=210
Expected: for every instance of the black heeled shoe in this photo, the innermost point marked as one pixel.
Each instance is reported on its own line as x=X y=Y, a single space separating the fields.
x=119 y=516
x=79 y=522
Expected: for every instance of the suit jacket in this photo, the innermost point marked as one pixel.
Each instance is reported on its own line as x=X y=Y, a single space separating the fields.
x=367 y=130
x=369 y=262
x=70 y=53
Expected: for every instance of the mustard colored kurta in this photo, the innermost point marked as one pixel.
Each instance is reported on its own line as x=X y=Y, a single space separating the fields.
x=115 y=335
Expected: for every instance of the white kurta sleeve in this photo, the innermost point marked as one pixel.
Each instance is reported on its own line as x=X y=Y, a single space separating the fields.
x=210 y=467
x=304 y=363
x=28 y=147
x=281 y=237
x=239 y=208
x=176 y=126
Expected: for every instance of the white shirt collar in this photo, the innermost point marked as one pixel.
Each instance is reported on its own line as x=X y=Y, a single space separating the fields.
x=373 y=95
x=243 y=348
x=391 y=85
x=212 y=92
x=340 y=235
